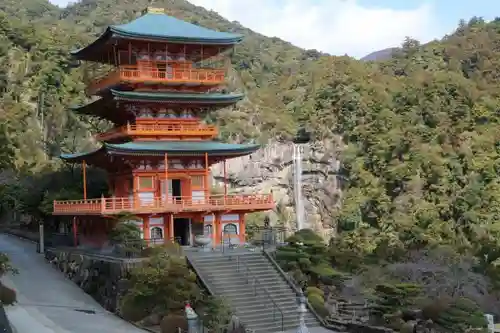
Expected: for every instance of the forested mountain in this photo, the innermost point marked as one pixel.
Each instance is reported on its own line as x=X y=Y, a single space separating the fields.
x=421 y=129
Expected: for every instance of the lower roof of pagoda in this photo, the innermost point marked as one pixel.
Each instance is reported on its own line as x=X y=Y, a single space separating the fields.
x=109 y=106
x=216 y=151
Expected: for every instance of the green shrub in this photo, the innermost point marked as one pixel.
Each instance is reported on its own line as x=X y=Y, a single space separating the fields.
x=307 y=235
x=315 y=290
x=315 y=298
x=172 y=322
x=161 y=285
x=217 y=314
x=318 y=304
x=461 y=314
x=305 y=263
x=391 y=298
x=131 y=311
x=435 y=308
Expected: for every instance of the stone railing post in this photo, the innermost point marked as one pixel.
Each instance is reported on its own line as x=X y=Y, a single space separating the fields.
x=302 y=310
x=491 y=324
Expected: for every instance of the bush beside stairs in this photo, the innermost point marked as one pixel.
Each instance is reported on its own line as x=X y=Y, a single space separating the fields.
x=232 y=276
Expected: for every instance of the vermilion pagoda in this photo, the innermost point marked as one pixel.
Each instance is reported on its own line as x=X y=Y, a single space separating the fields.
x=166 y=75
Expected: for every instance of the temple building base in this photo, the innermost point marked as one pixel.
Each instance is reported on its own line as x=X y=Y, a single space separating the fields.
x=188 y=230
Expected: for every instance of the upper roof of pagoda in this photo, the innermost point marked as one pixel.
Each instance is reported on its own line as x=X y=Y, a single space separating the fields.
x=108 y=106
x=156 y=26
x=217 y=151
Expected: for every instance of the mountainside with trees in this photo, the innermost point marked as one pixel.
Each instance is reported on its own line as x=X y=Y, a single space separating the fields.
x=422 y=156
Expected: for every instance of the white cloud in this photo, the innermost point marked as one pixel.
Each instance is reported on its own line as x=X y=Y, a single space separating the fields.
x=333 y=26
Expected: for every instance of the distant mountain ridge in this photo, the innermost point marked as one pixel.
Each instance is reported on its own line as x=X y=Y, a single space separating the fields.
x=384 y=54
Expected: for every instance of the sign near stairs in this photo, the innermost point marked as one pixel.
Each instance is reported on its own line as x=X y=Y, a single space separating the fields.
x=258 y=294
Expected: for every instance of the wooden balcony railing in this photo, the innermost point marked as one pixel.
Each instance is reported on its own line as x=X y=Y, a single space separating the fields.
x=134 y=74
x=104 y=206
x=175 y=131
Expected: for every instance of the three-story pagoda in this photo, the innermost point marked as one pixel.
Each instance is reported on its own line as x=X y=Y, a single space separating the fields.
x=166 y=74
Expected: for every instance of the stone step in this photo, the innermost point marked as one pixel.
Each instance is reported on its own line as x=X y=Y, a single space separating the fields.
x=245 y=283
x=238 y=300
x=260 y=302
x=261 y=279
x=236 y=286
x=233 y=266
x=250 y=295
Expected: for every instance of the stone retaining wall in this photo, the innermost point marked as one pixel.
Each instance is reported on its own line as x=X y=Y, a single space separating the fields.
x=105 y=279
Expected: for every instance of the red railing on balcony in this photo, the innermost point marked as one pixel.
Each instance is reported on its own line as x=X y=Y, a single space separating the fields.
x=254 y=202
x=135 y=74
x=148 y=130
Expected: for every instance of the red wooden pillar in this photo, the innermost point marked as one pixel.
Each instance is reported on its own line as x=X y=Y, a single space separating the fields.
x=166 y=179
x=216 y=230
x=207 y=183
x=136 y=191
x=171 y=227
x=84 y=168
x=242 y=231
x=225 y=179
x=145 y=229
x=75 y=232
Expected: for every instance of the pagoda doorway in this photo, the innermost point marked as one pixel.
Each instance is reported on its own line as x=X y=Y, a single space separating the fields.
x=176 y=189
x=182 y=234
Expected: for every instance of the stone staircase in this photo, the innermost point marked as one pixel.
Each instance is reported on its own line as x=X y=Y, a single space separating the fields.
x=259 y=296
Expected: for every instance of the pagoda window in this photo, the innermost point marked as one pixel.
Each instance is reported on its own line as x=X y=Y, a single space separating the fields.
x=207 y=230
x=156 y=233
x=162 y=113
x=143 y=55
x=146 y=183
x=195 y=165
x=159 y=56
x=197 y=181
x=131 y=108
x=146 y=113
x=175 y=164
x=171 y=114
x=141 y=165
x=230 y=229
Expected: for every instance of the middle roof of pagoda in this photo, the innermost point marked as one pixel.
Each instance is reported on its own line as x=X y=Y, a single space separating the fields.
x=216 y=151
x=107 y=107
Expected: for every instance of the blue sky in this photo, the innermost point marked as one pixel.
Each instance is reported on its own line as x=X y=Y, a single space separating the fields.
x=354 y=27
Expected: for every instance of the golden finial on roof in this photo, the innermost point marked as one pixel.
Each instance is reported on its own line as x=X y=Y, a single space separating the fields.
x=153 y=10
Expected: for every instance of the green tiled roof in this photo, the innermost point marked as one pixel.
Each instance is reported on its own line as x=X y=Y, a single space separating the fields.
x=167 y=27
x=177 y=97
x=162 y=27
x=103 y=108
x=172 y=148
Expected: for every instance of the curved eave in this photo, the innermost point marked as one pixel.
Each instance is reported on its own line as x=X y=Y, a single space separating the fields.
x=244 y=150
x=79 y=157
x=120 y=149
x=104 y=109
x=228 y=41
x=91 y=51
x=178 y=98
x=88 y=52
x=88 y=109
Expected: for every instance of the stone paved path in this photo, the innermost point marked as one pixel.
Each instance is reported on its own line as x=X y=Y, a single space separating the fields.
x=48 y=302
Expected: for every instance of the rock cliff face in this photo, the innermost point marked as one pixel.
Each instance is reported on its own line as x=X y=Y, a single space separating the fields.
x=271 y=169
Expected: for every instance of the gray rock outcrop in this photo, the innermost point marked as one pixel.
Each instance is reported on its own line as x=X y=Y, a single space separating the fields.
x=271 y=170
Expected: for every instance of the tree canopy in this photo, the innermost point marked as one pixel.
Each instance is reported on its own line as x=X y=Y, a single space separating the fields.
x=422 y=154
